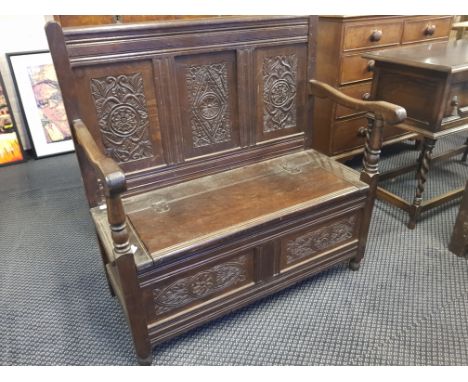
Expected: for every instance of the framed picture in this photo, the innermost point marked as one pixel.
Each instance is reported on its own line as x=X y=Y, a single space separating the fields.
x=10 y=144
x=41 y=102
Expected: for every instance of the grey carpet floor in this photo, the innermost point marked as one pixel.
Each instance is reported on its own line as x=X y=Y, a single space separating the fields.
x=408 y=305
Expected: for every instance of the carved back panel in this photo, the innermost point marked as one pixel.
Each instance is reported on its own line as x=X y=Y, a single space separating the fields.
x=171 y=101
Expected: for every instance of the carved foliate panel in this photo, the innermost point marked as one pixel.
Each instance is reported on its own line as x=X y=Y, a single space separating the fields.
x=210 y=118
x=316 y=241
x=202 y=284
x=122 y=116
x=279 y=92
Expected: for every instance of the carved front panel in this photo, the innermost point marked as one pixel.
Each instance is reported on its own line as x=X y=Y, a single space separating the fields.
x=301 y=246
x=208 y=96
x=279 y=92
x=122 y=116
x=210 y=118
x=280 y=83
x=202 y=285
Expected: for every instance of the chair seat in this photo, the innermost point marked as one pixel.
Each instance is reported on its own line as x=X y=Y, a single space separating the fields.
x=172 y=220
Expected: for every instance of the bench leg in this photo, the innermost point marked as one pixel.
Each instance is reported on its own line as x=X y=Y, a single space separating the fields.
x=354 y=264
x=145 y=361
x=134 y=308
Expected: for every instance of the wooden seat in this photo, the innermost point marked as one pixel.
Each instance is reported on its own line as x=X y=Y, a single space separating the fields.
x=203 y=211
x=193 y=139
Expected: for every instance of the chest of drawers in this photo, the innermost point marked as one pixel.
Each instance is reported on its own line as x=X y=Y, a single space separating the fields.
x=339 y=132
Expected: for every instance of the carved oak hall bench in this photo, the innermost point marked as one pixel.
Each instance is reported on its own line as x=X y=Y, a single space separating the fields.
x=193 y=139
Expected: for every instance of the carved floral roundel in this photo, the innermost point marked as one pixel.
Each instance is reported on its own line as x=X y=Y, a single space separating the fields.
x=281 y=93
x=209 y=105
x=124 y=120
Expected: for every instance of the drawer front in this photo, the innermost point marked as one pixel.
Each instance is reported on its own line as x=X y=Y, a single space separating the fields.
x=349 y=134
x=372 y=35
x=359 y=91
x=421 y=30
x=457 y=102
x=311 y=242
x=355 y=68
x=390 y=132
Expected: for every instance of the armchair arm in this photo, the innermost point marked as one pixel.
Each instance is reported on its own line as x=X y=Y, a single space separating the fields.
x=387 y=111
x=108 y=170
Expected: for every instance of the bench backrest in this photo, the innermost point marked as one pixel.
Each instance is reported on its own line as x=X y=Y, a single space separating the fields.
x=171 y=101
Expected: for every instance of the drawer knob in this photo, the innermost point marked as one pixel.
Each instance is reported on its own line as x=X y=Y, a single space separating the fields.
x=362 y=131
x=429 y=30
x=376 y=35
x=365 y=96
x=370 y=65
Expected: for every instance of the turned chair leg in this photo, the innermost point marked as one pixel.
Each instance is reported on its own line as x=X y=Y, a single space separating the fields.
x=418 y=144
x=426 y=156
x=465 y=153
x=419 y=162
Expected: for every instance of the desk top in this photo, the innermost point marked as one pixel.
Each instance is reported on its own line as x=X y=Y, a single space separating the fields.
x=449 y=56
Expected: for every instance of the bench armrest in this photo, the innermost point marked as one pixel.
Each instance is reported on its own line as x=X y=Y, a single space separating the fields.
x=390 y=113
x=383 y=112
x=108 y=170
x=114 y=184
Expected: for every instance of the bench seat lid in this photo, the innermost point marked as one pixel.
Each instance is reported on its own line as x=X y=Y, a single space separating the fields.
x=190 y=215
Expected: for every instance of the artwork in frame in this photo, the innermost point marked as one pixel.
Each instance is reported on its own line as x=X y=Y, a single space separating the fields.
x=11 y=150
x=41 y=102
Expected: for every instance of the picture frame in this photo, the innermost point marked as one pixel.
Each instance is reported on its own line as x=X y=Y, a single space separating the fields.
x=41 y=102
x=11 y=150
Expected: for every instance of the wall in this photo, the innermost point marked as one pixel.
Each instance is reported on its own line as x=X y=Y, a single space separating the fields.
x=21 y=33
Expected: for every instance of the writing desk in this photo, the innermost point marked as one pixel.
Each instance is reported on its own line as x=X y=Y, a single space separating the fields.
x=431 y=82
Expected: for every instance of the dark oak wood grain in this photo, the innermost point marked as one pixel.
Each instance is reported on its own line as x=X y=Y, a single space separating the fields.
x=85 y=20
x=194 y=144
x=109 y=171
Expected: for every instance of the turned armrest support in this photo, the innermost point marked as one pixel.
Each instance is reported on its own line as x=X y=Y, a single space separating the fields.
x=107 y=169
x=383 y=112
x=114 y=185
x=390 y=113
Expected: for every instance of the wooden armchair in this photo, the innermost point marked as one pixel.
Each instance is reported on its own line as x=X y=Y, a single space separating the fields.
x=193 y=140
